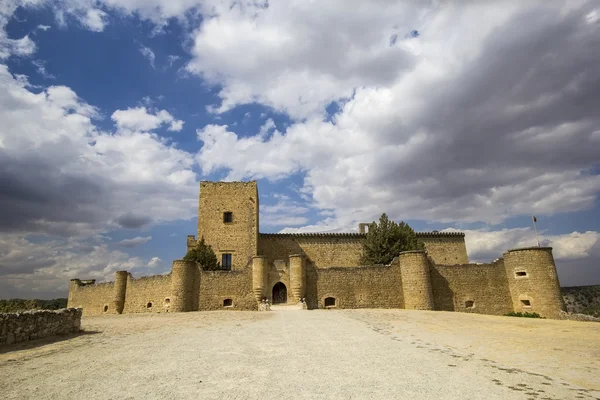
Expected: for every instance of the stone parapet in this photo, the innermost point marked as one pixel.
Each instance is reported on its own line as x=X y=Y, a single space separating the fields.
x=37 y=324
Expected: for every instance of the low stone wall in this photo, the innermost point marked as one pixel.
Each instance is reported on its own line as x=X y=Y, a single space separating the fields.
x=37 y=324
x=577 y=317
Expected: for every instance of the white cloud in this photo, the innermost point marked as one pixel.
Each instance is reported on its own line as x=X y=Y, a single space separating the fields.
x=69 y=177
x=155 y=262
x=95 y=20
x=171 y=59
x=40 y=65
x=43 y=270
x=484 y=245
x=64 y=177
x=446 y=134
x=139 y=119
x=283 y=213
x=43 y=27
x=148 y=53
x=134 y=242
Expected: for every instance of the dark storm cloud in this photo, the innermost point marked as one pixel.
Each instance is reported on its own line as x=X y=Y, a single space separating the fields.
x=36 y=192
x=581 y=272
x=535 y=75
x=133 y=221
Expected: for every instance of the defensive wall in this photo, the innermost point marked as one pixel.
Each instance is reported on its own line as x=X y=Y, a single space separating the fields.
x=37 y=324
x=324 y=269
x=523 y=280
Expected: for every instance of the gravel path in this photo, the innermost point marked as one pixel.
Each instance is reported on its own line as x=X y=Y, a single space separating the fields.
x=345 y=354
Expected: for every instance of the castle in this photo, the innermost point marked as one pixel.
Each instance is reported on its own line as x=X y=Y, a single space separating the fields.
x=323 y=269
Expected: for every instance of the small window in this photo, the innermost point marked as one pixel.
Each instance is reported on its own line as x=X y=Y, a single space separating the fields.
x=521 y=273
x=227 y=217
x=330 y=302
x=226 y=262
x=526 y=303
x=469 y=304
x=149 y=305
x=227 y=303
x=105 y=308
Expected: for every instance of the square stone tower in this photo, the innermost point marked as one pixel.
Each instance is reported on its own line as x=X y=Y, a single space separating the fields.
x=228 y=221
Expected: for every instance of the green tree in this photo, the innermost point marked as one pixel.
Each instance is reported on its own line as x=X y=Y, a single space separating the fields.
x=387 y=239
x=204 y=255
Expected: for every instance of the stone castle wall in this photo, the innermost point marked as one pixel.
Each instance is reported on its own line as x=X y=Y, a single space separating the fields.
x=324 y=268
x=218 y=286
x=445 y=248
x=93 y=298
x=476 y=288
x=533 y=281
x=376 y=286
x=238 y=237
x=37 y=324
x=345 y=249
x=324 y=251
x=148 y=294
x=412 y=281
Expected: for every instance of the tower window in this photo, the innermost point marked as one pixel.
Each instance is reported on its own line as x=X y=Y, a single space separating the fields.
x=227 y=217
x=521 y=273
x=526 y=303
x=226 y=262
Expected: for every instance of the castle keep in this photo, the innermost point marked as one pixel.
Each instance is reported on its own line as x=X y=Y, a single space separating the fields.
x=323 y=269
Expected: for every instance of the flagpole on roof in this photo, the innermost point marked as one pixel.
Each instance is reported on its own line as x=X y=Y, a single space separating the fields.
x=537 y=238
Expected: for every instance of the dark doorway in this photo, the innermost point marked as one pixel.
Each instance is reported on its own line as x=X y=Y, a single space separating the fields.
x=279 y=293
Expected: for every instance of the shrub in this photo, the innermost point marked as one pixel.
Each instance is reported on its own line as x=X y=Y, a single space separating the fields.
x=204 y=255
x=524 y=315
x=16 y=305
x=386 y=240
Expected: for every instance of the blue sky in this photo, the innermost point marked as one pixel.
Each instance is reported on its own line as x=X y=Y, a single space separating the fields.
x=115 y=110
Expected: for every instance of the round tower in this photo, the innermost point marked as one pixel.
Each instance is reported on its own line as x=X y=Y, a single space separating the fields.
x=259 y=277
x=297 y=276
x=182 y=284
x=416 y=280
x=120 y=289
x=533 y=281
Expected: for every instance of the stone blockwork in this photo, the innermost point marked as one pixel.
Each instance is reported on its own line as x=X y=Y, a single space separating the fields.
x=445 y=247
x=324 y=269
x=376 y=286
x=148 y=294
x=416 y=280
x=474 y=288
x=93 y=298
x=217 y=287
x=533 y=281
x=37 y=324
x=322 y=250
x=239 y=237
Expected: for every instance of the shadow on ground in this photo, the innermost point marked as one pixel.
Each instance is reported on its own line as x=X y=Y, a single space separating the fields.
x=31 y=344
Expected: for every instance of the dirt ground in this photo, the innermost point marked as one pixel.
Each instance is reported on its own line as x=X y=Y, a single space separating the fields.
x=317 y=354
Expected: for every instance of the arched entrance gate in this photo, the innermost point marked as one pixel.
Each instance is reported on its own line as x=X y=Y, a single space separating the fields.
x=279 y=293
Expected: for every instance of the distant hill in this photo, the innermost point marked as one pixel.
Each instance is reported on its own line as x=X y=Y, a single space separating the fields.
x=582 y=299
x=15 y=305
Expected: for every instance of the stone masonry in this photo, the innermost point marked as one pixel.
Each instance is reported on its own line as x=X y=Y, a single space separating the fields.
x=37 y=324
x=323 y=269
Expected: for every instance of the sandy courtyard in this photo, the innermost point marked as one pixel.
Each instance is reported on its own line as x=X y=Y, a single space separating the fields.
x=345 y=354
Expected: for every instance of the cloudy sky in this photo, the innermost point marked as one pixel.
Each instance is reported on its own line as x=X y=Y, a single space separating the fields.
x=467 y=117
